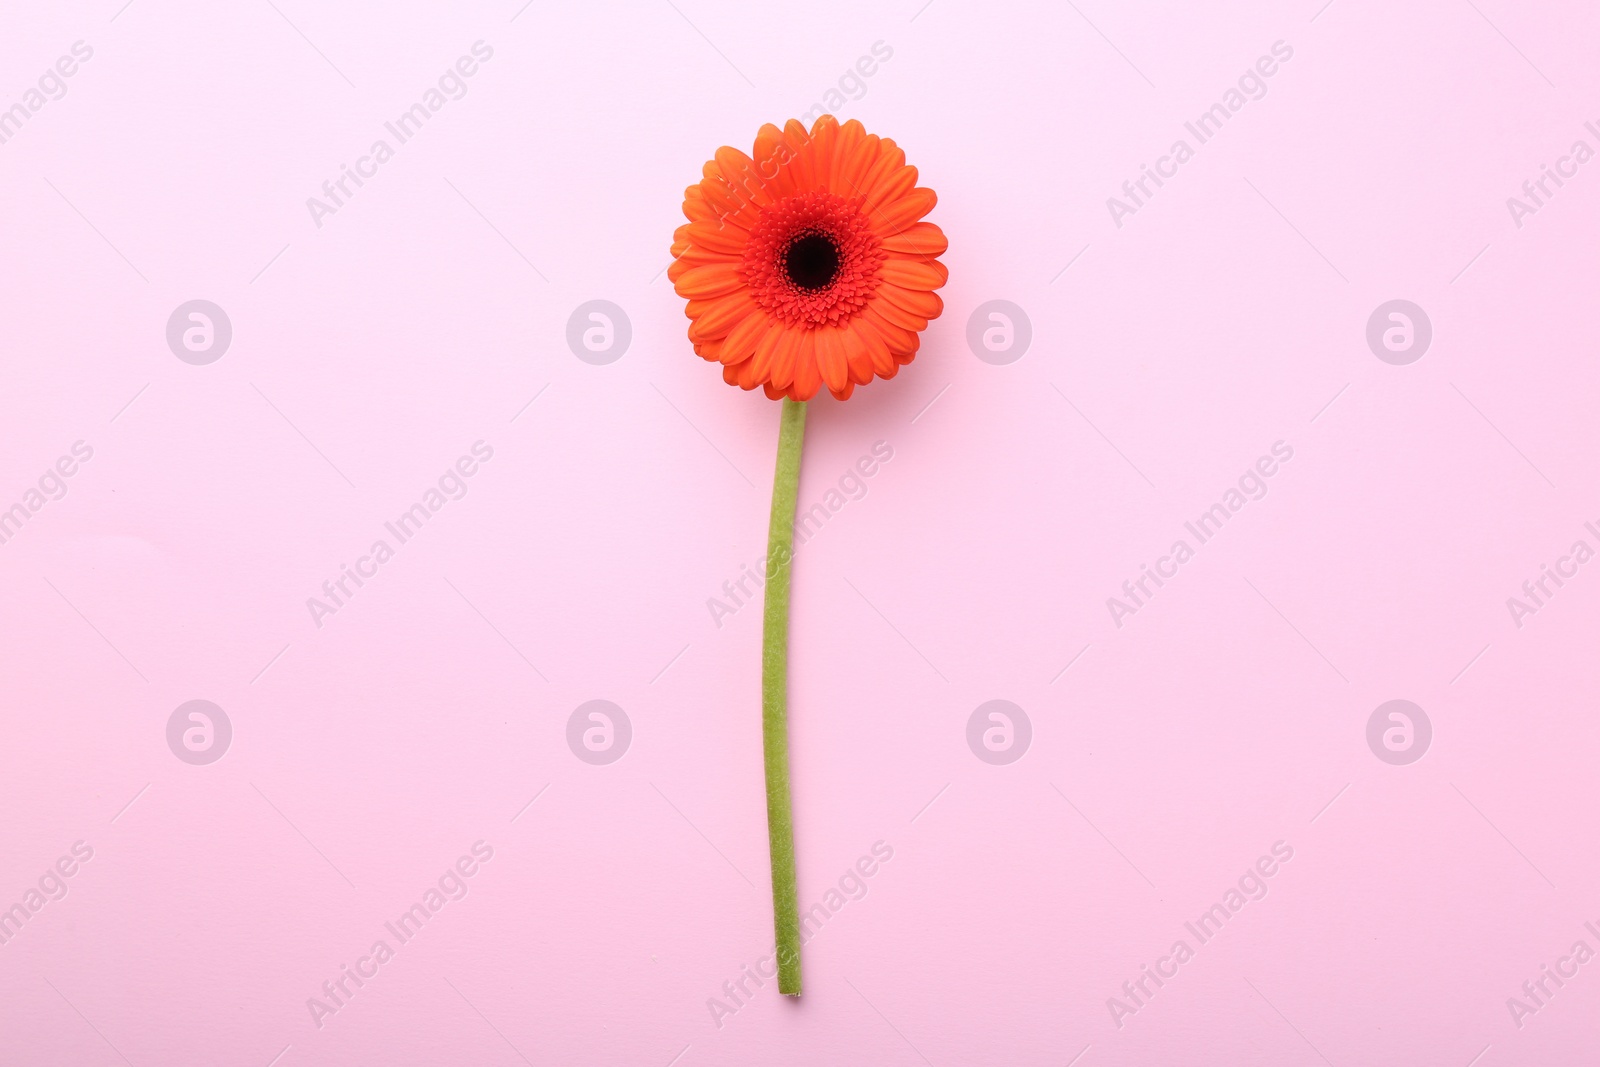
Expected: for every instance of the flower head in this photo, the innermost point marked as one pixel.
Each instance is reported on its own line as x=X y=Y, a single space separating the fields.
x=807 y=263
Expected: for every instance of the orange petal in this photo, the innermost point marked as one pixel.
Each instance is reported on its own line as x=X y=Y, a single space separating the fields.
x=688 y=261
x=747 y=185
x=797 y=139
x=908 y=353
x=727 y=205
x=918 y=239
x=695 y=257
x=784 y=357
x=766 y=350
x=720 y=316
x=890 y=189
x=807 y=377
x=914 y=273
x=898 y=214
x=893 y=312
x=684 y=235
x=851 y=134
x=890 y=159
x=696 y=208
x=854 y=171
x=771 y=153
x=741 y=340
x=824 y=137
x=715 y=207
x=898 y=337
x=768 y=140
x=709 y=280
x=876 y=347
x=856 y=354
x=747 y=376
x=919 y=302
x=733 y=163
x=714 y=237
x=831 y=360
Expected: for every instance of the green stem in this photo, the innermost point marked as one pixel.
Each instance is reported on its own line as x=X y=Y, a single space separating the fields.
x=775 y=695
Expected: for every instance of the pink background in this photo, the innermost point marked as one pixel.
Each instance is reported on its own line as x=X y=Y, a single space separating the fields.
x=1228 y=714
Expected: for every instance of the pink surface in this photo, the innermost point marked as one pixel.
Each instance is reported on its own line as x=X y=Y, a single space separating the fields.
x=408 y=346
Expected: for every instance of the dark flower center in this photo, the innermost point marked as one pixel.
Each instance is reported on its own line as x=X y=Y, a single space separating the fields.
x=812 y=261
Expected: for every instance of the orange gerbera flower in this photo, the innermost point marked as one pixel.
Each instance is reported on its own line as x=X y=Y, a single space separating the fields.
x=808 y=265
